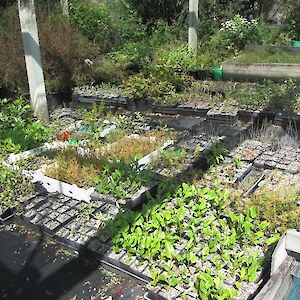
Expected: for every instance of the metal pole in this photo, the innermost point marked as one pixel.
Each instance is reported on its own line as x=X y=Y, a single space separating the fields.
x=193 y=24
x=33 y=59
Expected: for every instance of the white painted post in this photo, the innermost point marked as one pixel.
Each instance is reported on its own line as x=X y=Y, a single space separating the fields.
x=33 y=59
x=65 y=7
x=193 y=23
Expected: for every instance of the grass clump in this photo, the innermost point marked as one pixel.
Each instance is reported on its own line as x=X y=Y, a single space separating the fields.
x=277 y=202
x=269 y=56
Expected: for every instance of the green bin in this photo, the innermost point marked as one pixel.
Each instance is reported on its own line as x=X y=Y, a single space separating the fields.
x=295 y=43
x=217 y=73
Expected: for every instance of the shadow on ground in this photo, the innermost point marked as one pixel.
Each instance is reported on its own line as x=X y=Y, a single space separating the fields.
x=32 y=267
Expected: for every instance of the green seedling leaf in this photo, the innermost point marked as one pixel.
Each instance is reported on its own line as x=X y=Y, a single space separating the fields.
x=192 y=257
x=181 y=213
x=207 y=279
x=252 y=212
x=238 y=284
x=263 y=225
x=243 y=274
x=169 y=250
x=252 y=272
x=273 y=239
x=161 y=277
x=174 y=281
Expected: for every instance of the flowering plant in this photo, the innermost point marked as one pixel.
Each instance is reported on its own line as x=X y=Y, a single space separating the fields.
x=239 y=31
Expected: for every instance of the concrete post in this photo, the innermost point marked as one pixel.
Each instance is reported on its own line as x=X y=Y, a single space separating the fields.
x=65 y=7
x=33 y=59
x=193 y=23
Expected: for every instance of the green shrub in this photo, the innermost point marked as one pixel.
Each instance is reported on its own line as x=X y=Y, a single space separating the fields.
x=168 y=33
x=126 y=22
x=284 y=97
x=134 y=55
x=236 y=33
x=12 y=66
x=94 y=21
x=18 y=129
x=106 y=69
x=174 y=57
x=141 y=87
x=292 y=20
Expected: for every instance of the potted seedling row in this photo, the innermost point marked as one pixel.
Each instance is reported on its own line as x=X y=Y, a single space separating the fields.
x=183 y=254
x=16 y=190
x=73 y=170
x=249 y=150
x=223 y=113
x=92 y=94
x=186 y=110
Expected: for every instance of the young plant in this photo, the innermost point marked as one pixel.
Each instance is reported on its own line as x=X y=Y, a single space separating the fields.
x=15 y=187
x=216 y=155
x=19 y=131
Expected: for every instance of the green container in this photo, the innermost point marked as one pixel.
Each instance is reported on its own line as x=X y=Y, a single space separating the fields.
x=295 y=43
x=217 y=74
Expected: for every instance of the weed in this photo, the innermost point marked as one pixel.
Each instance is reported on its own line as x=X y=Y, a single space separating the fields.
x=216 y=155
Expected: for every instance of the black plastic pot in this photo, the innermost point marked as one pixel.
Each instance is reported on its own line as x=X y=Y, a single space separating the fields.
x=247 y=115
x=190 y=111
x=199 y=74
x=168 y=110
x=222 y=119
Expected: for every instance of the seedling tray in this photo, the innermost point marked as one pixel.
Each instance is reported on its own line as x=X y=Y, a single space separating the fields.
x=168 y=110
x=222 y=118
x=249 y=150
x=60 y=217
x=137 y=198
x=6 y=216
x=247 y=115
x=251 y=181
x=285 y=158
x=192 y=111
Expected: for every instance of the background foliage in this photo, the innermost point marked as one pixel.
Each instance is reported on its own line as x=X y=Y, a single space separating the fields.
x=125 y=37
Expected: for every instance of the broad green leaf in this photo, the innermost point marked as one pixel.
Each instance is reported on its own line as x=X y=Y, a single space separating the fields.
x=161 y=277
x=252 y=212
x=193 y=257
x=174 y=281
x=169 y=250
x=181 y=213
x=273 y=239
x=263 y=225
x=207 y=278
